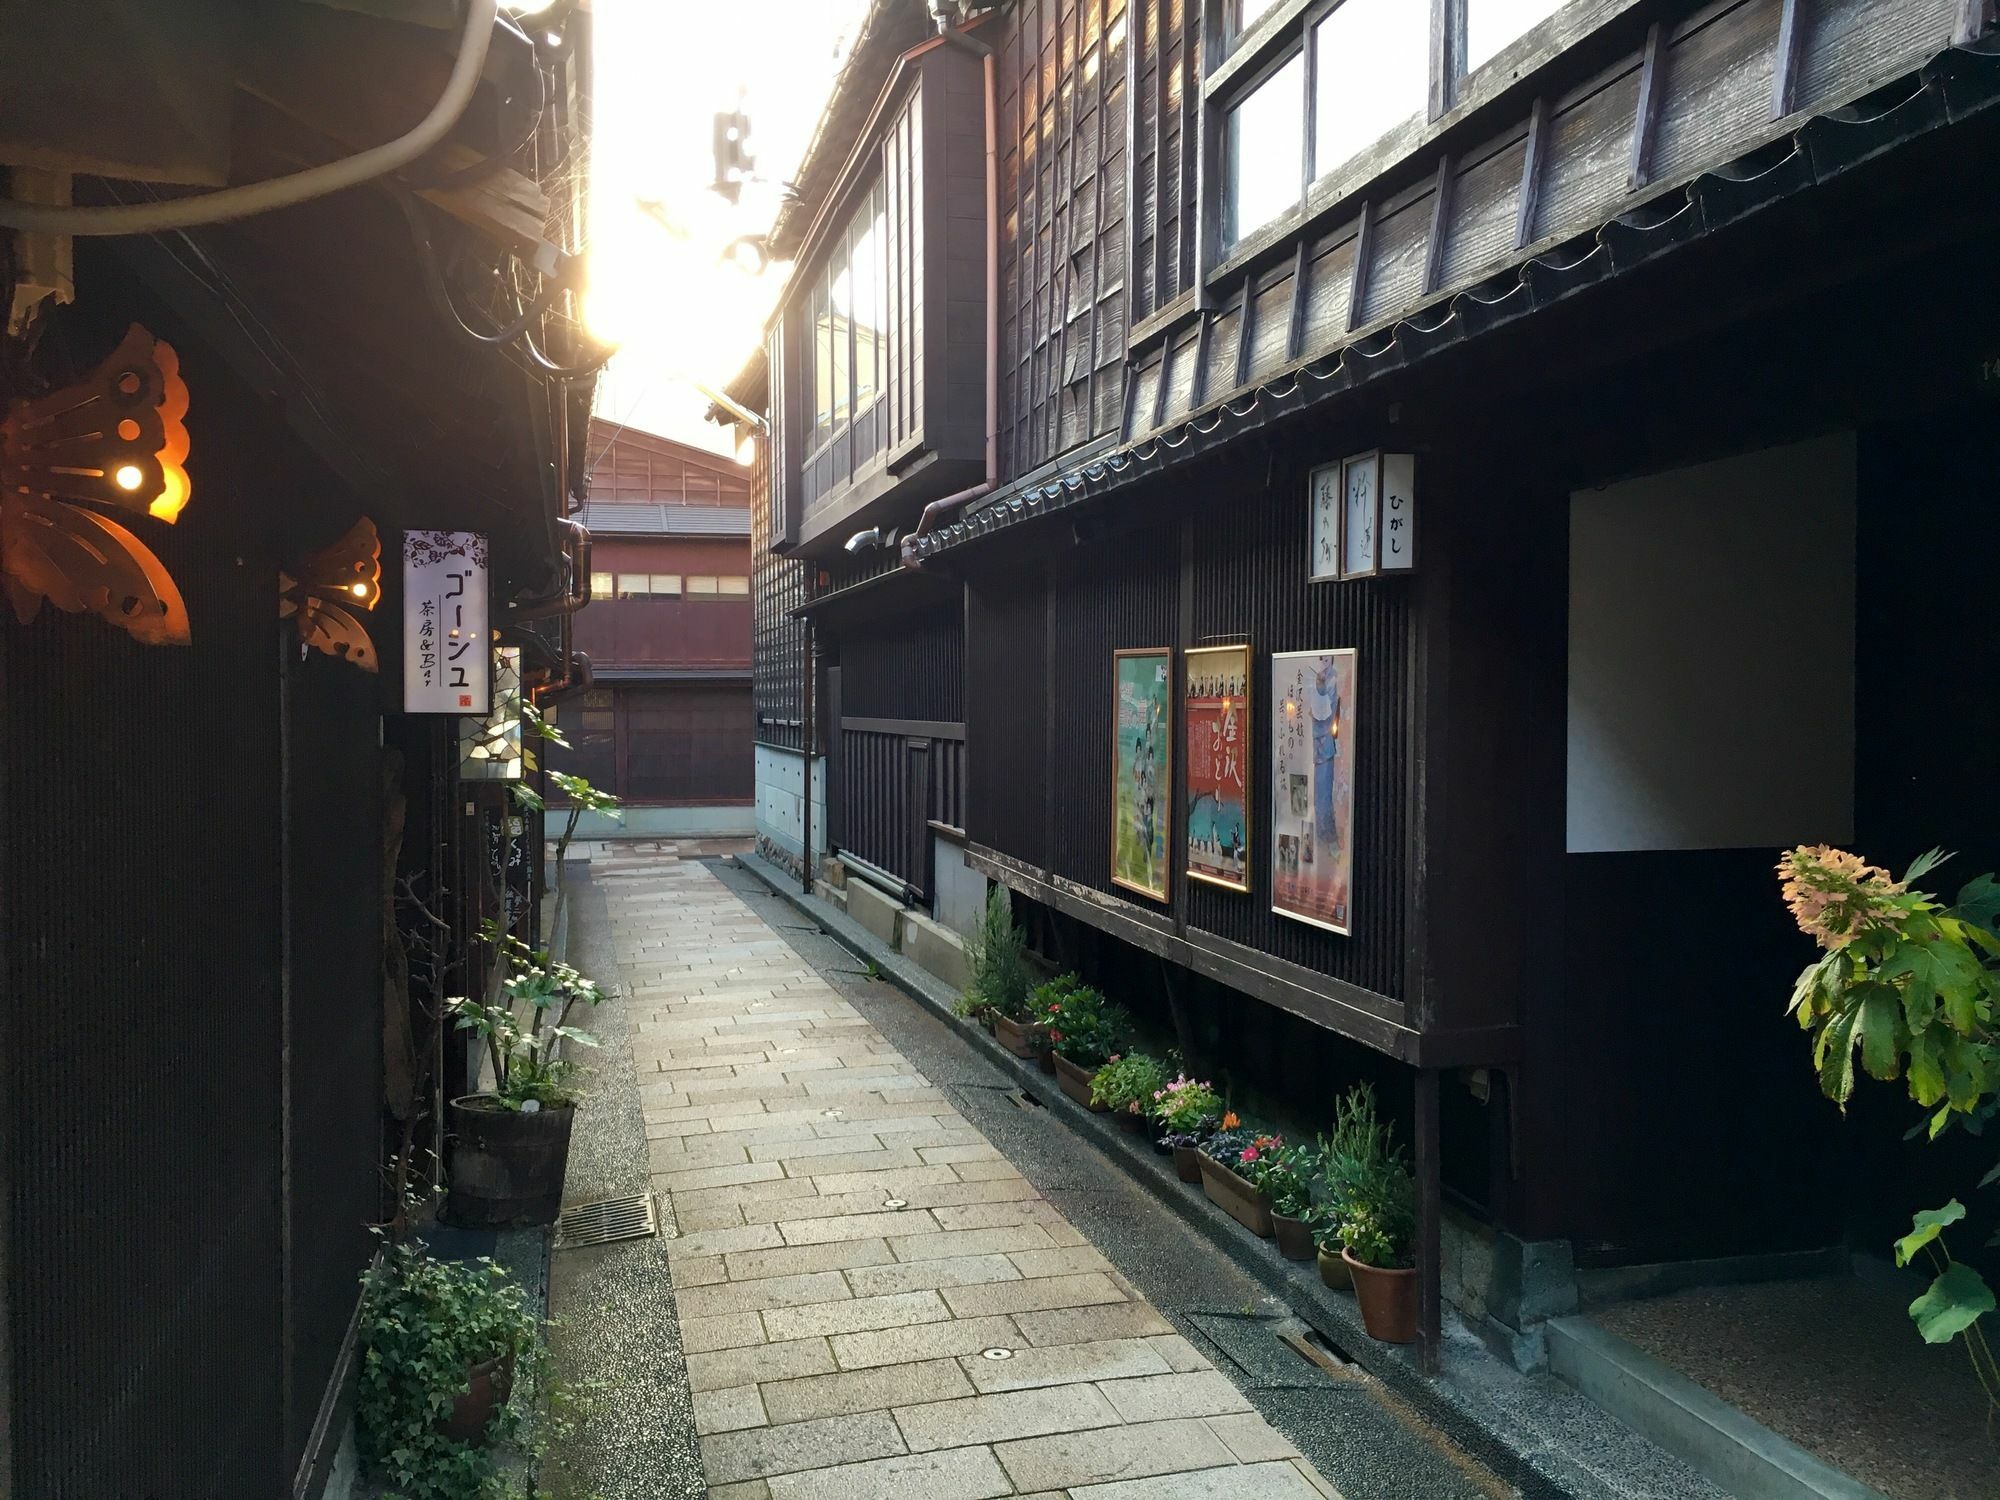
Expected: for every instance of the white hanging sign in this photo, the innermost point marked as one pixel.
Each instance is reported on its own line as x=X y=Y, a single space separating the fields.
x=1363 y=517
x=1326 y=509
x=447 y=652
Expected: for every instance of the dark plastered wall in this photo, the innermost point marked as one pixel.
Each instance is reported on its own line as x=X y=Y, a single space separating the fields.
x=157 y=856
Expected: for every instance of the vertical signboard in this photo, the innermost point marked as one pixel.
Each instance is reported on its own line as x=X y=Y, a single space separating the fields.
x=1312 y=787
x=447 y=641
x=1216 y=710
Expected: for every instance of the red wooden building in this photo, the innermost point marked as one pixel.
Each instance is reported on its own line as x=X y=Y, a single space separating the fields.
x=667 y=724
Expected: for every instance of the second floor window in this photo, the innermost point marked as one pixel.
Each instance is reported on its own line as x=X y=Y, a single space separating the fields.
x=847 y=321
x=1492 y=25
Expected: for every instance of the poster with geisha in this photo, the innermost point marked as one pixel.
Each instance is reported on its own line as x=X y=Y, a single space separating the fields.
x=1142 y=772
x=1312 y=787
x=1215 y=707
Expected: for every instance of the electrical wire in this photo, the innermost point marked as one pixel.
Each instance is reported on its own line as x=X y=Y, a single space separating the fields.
x=279 y=192
x=440 y=292
x=492 y=165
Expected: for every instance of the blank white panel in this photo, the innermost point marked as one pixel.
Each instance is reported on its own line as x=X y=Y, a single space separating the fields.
x=1711 y=655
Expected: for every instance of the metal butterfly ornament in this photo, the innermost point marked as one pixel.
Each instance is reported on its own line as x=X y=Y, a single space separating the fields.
x=332 y=584
x=116 y=440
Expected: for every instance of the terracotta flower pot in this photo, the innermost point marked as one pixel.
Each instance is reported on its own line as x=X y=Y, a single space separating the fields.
x=1236 y=1196
x=1075 y=1080
x=1021 y=1039
x=1295 y=1237
x=1333 y=1271
x=1131 y=1121
x=1045 y=1058
x=1187 y=1163
x=488 y=1386
x=1388 y=1301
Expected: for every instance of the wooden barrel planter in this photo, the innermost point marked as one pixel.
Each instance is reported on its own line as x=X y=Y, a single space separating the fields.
x=1388 y=1301
x=507 y=1166
x=1075 y=1080
x=1236 y=1197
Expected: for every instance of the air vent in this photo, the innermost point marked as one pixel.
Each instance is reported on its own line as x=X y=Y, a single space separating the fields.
x=631 y=1217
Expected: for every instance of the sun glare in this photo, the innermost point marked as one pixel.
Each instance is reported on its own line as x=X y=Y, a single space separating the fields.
x=669 y=280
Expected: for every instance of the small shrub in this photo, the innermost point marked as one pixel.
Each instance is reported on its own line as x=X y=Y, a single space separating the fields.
x=998 y=957
x=1379 y=1224
x=1127 y=1083
x=1083 y=1026
x=1186 y=1110
x=425 y=1323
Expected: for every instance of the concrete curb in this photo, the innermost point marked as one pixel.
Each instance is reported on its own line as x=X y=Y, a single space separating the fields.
x=1535 y=1455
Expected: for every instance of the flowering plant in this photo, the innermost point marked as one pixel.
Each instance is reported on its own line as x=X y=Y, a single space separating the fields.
x=1262 y=1163
x=1082 y=1025
x=1228 y=1144
x=1126 y=1083
x=1379 y=1226
x=1910 y=984
x=1185 y=1107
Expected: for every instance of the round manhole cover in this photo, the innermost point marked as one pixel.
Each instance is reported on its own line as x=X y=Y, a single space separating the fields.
x=996 y=1353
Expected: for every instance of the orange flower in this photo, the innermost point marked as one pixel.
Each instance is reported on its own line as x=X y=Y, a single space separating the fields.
x=1229 y=1121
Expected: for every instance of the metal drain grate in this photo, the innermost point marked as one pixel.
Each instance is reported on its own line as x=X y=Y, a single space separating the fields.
x=632 y=1217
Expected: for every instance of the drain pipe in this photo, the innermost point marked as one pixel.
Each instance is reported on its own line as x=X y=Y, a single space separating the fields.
x=935 y=513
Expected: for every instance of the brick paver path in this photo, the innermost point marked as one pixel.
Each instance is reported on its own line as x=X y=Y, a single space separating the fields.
x=876 y=1305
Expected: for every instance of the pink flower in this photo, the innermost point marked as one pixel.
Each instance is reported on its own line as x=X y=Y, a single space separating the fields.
x=1249 y=1154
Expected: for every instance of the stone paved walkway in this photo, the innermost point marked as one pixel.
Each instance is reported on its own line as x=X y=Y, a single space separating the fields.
x=876 y=1305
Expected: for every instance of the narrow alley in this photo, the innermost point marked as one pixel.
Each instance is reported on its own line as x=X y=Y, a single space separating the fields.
x=895 y=1276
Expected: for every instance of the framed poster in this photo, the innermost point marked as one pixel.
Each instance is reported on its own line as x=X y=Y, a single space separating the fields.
x=1312 y=787
x=1215 y=708
x=1326 y=512
x=1142 y=768
x=1361 y=483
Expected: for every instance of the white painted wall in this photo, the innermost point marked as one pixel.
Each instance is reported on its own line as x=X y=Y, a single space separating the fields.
x=781 y=778
x=1711 y=654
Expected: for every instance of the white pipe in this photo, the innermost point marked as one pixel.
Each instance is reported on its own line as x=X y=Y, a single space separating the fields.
x=279 y=192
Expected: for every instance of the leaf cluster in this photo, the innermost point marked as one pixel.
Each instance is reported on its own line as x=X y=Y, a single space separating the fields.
x=1187 y=1107
x=424 y=1324
x=1083 y=1026
x=1128 y=1082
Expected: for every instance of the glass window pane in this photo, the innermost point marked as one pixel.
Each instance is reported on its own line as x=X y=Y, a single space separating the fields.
x=822 y=367
x=701 y=585
x=634 y=585
x=600 y=586
x=666 y=585
x=1266 y=150
x=1491 y=25
x=734 y=585
x=869 y=257
x=840 y=303
x=1373 y=73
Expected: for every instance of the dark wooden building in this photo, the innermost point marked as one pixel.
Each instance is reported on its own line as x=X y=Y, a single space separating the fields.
x=666 y=724
x=1675 y=310
x=224 y=847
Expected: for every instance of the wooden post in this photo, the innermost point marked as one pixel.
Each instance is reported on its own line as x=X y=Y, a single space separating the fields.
x=1430 y=1211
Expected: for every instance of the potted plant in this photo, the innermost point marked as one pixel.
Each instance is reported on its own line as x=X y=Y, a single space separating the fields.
x=1287 y=1178
x=1379 y=1230
x=1225 y=1157
x=1125 y=1085
x=443 y=1344
x=1001 y=979
x=1355 y=1150
x=1186 y=1112
x=512 y=1145
x=1328 y=1245
x=1085 y=1031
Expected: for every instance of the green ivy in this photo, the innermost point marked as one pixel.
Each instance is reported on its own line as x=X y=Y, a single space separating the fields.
x=425 y=1323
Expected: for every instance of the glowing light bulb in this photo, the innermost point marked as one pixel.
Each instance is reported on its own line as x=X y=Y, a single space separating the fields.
x=129 y=476
x=359 y=590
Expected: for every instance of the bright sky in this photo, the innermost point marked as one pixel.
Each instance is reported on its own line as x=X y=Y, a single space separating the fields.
x=664 y=68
